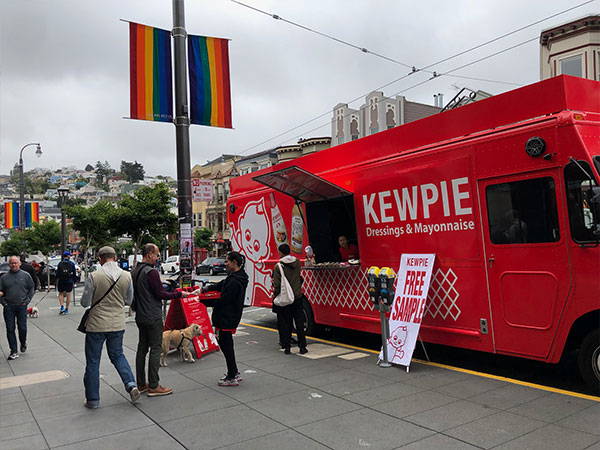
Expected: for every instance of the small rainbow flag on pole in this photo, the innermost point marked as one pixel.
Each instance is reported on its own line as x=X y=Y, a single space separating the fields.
x=32 y=213
x=210 y=94
x=11 y=215
x=150 y=71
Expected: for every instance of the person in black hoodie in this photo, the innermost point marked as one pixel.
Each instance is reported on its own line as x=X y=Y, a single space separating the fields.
x=227 y=312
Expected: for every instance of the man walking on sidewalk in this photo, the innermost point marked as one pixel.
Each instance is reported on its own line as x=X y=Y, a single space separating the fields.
x=16 y=291
x=65 y=280
x=109 y=289
x=147 y=303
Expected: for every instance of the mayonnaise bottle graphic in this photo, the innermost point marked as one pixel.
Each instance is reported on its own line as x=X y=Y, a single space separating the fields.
x=279 y=229
x=297 y=229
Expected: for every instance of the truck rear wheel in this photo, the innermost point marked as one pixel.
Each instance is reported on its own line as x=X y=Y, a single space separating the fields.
x=310 y=327
x=589 y=360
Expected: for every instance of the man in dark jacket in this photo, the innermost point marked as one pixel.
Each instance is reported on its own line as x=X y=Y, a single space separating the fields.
x=30 y=270
x=227 y=312
x=285 y=314
x=147 y=303
x=16 y=291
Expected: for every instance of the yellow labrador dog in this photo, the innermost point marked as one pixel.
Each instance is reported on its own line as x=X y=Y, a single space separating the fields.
x=180 y=339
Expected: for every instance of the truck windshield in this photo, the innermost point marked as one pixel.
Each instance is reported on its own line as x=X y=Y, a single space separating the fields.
x=581 y=216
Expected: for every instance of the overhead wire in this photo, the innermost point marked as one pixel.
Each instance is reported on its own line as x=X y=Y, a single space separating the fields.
x=447 y=73
x=396 y=61
x=413 y=68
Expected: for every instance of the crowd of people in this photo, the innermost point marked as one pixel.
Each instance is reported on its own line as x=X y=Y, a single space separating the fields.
x=110 y=289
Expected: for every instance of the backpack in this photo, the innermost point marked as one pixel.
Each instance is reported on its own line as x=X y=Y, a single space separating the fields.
x=63 y=270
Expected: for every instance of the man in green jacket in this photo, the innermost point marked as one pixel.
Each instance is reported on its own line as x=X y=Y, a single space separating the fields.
x=285 y=314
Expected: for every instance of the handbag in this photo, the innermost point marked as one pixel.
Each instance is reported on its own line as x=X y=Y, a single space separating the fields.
x=83 y=322
x=286 y=293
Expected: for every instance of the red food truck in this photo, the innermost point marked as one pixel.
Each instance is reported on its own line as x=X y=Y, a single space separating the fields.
x=504 y=191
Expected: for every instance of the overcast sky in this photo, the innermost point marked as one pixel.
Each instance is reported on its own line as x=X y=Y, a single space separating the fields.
x=64 y=68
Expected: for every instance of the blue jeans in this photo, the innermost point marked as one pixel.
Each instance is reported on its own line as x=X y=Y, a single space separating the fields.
x=93 y=352
x=18 y=312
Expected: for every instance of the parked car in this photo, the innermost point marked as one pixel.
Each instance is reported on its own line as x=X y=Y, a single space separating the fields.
x=211 y=266
x=170 y=265
x=4 y=267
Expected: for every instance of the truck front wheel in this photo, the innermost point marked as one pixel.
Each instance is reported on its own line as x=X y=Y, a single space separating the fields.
x=589 y=360
x=310 y=327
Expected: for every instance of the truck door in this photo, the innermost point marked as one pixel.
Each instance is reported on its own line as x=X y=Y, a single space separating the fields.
x=526 y=259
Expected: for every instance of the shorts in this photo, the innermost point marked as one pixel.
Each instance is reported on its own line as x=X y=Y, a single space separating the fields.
x=64 y=286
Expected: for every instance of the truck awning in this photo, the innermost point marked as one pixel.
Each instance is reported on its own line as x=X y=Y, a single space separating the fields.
x=301 y=185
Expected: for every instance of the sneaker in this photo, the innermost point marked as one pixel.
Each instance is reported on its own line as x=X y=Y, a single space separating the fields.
x=12 y=356
x=237 y=377
x=303 y=351
x=92 y=404
x=135 y=394
x=62 y=310
x=23 y=348
x=287 y=351
x=142 y=388
x=158 y=391
x=229 y=382
x=66 y=311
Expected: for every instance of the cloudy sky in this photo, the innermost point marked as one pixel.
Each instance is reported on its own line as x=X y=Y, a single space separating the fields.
x=64 y=68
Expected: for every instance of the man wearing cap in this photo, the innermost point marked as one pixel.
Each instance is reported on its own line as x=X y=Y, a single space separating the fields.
x=65 y=280
x=109 y=289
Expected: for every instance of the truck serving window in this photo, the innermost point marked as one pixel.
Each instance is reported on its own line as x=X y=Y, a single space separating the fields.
x=523 y=212
x=581 y=217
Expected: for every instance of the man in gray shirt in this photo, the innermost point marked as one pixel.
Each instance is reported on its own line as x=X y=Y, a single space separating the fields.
x=16 y=291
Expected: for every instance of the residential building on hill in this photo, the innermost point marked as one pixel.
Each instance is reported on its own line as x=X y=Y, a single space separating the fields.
x=378 y=113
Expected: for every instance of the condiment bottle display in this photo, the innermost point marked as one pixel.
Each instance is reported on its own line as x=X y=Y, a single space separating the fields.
x=297 y=229
x=278 y=224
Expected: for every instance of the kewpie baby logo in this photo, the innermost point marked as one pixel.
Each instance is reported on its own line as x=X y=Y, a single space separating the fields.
x=251 y=236
x=397 y=341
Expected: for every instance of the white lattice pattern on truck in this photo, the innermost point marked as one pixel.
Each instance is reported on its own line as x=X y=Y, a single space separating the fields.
x=443 y=297
x=341 y=288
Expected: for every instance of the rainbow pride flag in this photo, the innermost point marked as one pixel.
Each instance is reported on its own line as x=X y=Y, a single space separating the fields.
x=11 y=215
x=32 y=213
x=151 y=85
x=210 y=94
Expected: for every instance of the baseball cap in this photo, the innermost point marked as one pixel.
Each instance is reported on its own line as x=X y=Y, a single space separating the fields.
x=67 y=253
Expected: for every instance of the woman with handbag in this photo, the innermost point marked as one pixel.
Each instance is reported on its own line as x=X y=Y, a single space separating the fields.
x=288 y=298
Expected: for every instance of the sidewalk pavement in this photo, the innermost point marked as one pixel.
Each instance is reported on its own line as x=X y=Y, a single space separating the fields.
x=333 y=397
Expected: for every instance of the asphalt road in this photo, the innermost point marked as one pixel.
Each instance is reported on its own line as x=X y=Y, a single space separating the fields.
x=561 y=376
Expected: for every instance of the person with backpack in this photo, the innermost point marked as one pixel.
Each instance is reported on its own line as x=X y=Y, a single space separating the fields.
x=65 y=280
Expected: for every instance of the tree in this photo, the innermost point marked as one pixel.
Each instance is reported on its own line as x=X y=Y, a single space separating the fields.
x=103 y=171
x=132 y=171
x=202 y=238
x=144 y=214
x=95 y=224
x=41 y=237
x=14 y=245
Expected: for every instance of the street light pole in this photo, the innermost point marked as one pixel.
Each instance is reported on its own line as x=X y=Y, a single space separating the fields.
x=38 y=152
x=63 y=193
x=182 y=137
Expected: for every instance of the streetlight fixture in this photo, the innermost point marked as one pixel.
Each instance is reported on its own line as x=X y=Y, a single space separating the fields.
x=63 y=193
x=38 y=153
